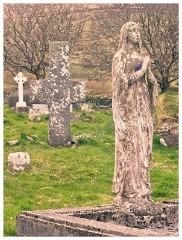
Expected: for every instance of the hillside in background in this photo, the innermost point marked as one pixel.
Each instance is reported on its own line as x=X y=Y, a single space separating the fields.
x=80 y=175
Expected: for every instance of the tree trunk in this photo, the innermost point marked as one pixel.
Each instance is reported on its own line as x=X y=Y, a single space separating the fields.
x=165 y=84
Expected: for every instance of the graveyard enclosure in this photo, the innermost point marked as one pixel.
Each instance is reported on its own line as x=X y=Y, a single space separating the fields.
x=74 y=176
x=82 y=174
x=146 y=221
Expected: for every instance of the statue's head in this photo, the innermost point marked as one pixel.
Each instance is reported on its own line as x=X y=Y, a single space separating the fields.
x=130 y=33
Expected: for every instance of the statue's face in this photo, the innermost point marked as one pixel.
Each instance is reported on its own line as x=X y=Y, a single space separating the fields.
x=134 y=34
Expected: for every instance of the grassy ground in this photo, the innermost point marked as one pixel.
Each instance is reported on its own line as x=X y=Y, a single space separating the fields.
x=74 y=176
x=167 y=107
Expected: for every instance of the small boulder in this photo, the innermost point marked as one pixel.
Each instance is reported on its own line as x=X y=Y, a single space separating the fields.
x=13 y=142
x=19 y=161
x=86 y=107
x=34 y=115
x=163 y=142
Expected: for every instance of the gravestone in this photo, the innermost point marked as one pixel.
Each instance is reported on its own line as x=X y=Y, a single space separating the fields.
x=43 y=108
x=20 y=105
x=58 y=92
x=136 y=215
x=37 y=111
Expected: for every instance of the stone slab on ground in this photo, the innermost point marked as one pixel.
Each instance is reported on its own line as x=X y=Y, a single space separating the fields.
x=83 y=221
x=42 y=107
x=13 y=142
x=19 y=161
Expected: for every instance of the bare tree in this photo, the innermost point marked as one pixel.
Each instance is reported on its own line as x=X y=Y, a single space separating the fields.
x=159 y=23
x=28 y=28
x=104 y=34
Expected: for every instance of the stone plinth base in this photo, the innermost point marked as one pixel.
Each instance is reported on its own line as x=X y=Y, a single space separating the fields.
x=22 y=109
x=21 y=104
x=158 y=220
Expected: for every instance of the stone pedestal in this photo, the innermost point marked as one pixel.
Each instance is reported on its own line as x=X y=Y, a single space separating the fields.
x=21 y=104
x=157 y=220
x=22 y=109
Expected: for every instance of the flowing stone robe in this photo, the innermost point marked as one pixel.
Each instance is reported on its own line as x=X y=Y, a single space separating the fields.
x=134 y=102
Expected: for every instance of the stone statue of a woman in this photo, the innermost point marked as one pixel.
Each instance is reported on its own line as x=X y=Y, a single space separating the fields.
x=134 y=99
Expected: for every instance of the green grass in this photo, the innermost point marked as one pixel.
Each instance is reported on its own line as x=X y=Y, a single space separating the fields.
x=164 y=172
x=72 y=176
x=167 y=107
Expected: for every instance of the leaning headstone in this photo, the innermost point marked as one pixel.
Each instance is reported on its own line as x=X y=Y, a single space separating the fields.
x=20 y=105
x=58 y=92
x=19 y=161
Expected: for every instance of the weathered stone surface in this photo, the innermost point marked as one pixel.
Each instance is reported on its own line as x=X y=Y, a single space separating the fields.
x=134 y=100
x=169 y=134
x=43 y=108
x=37 y=111
x=22 y=109
x=99 y=102
x=86 y=107
x=148 y=215
x=13 y=142
x=171 y=138
x=108 y=221
x=167 y=127
x=18 y=161
x=58 y=92
x=34 y=115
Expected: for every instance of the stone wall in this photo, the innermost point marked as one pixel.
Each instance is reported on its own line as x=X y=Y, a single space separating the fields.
x=99 y=102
